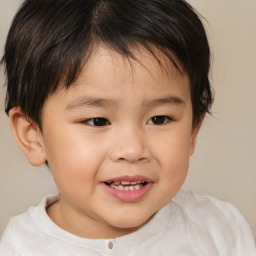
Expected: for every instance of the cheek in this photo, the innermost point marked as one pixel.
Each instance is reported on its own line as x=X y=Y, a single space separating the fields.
x=175 y=166
x=175 y=147
x=74 y=161
x=174 y=159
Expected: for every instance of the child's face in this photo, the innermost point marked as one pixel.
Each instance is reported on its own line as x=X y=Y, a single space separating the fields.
x=120 y=127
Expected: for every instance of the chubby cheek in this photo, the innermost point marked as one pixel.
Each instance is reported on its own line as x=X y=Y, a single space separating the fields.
x=174 y=161
x=74 y=164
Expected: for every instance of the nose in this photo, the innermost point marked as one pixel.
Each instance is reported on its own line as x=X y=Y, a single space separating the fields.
x=130 y=145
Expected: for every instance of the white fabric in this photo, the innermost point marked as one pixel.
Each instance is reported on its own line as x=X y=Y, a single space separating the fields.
x=190 y=225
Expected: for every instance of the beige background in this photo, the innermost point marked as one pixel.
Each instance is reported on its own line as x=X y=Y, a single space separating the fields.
x=224 y=163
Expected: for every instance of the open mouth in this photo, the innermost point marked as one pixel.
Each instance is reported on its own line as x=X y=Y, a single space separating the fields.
x=129 y=189
x=126 y=185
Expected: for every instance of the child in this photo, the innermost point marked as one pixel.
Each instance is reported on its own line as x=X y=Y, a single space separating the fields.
x=111 y=95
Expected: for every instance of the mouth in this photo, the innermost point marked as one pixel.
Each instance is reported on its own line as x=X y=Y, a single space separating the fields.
x=126 y=185
x=128 y=188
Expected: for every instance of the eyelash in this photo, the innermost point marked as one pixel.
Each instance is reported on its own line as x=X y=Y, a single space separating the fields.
x=163 y=120
x=100 y=121
x=92 y=121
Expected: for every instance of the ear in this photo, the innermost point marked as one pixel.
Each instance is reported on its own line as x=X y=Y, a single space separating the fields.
x=28 y=136
x=195 y=130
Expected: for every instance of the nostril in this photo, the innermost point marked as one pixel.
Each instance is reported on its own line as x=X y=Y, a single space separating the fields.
x=129 y=150
x=132 y=160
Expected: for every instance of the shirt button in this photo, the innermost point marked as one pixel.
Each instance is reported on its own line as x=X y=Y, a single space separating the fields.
x=110 y=245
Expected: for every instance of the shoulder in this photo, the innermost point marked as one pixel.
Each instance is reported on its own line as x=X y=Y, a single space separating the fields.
x=205 y=208
x=220 y=221
x=24 y=228
x=205 y=205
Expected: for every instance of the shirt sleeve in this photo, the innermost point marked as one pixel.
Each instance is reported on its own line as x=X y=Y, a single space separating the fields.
x=220 y=223
x=9 y=244
x=243 y=243
x=229 y=230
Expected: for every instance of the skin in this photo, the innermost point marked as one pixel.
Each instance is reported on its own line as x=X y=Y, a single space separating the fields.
x=129 y=141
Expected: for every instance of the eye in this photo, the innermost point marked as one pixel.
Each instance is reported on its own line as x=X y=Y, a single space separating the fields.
x=159 y=120
x=98 y=121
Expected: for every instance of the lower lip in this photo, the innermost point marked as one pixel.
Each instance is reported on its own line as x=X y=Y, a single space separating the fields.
x=130 y=196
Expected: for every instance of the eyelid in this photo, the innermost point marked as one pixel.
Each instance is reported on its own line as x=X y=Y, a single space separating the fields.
x=168 y=119
x=90 y=121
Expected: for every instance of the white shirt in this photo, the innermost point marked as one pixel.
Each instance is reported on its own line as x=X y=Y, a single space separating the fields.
x=190 y=225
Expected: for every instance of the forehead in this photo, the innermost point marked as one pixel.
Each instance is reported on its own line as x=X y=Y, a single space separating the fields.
x=110 y=73
x=137 y=64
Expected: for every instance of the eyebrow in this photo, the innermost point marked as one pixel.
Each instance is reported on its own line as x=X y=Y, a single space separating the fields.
x=92 y=102
x=165 y=100
x=102 y=103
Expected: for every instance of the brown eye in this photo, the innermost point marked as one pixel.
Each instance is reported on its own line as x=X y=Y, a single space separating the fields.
x=97 y=121
x=158 y=120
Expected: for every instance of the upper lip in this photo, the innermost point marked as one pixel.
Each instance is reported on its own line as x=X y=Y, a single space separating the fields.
x=139 y=178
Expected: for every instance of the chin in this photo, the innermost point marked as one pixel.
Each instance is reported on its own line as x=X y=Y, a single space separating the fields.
x=130 y=222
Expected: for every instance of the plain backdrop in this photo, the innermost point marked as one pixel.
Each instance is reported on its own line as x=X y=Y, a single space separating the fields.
x=224 y=163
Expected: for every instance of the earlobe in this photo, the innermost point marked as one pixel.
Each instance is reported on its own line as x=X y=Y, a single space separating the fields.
x=194 y=133
x=28 y=136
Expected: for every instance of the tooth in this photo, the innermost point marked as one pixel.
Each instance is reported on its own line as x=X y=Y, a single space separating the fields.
x=117 y=183
x=125 y=182
x=134 y=182
x=127 y=188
